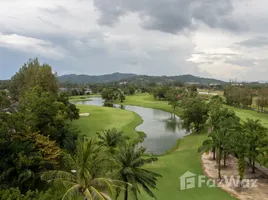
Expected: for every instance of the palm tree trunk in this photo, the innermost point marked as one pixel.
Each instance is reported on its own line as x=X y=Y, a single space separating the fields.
x=224 y=159
x=253 y=166
x=126 y=189
x=214 y=153
x=219 y=163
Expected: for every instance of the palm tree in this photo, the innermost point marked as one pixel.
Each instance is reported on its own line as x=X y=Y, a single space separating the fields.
x=255 y=134
x=208 y=145
x=225 y=119
x=221 y=139
x=129 y=169
x=111 y=139
x=84 y=175
x=240 y=149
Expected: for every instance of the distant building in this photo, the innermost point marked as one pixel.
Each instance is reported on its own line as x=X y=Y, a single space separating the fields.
x=123 y=83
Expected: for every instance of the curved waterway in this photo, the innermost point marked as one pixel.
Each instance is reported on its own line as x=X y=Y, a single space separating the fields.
x=162 y=129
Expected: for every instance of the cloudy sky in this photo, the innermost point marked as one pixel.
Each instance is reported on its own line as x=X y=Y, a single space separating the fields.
x=225 y=39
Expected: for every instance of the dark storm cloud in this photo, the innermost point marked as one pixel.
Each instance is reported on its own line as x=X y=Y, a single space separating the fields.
x=171 y=16
x=255 y=42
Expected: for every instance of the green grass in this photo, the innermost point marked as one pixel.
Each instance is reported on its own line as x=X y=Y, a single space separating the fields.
x=147 y=100
x=170 y=166
x=82 y=98
x=243 y=114
x=104 y=118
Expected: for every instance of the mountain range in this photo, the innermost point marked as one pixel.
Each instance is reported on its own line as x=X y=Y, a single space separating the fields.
x=128 y=77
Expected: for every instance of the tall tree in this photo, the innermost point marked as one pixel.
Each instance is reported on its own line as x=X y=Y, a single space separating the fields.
x=240 y=149
x=195 y=113
x=4 y=100
x=129 y=161
x=256 y=139
x=85 y=173
x=33 y=74
x=111 y=139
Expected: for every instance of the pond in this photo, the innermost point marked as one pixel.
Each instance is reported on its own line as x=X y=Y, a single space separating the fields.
x=162 y=129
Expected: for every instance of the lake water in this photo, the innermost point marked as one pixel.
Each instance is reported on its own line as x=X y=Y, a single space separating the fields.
x=162 y=129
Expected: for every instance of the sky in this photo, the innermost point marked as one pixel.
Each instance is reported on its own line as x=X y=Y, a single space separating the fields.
x=223 y=39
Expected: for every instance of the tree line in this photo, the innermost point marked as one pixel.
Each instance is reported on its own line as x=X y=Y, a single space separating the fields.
x=229 y=136
x=44 y=157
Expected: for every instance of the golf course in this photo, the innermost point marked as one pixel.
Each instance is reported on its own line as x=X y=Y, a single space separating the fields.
x=171 y=166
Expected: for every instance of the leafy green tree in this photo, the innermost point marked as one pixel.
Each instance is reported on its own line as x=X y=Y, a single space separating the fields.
x=49 y=150
x=33 y=74
x=4 y=100
x=172 y=96
x=129 y=161
x=256 y=138
x=15 y=194
x=44 y=114
x=195 y=113
x=4 y=84
x=21 y=161
x=109 y=94
x=262 y=99
x=131 y=89
x=159 y=92
x=86 y=173
x=238 y=96
x=122 y=97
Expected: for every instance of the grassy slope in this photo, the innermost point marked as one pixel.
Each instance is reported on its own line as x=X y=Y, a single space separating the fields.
x=105 y=118
x=82 y=98
x=244 y=114
x=147 y=100
x=171 y=166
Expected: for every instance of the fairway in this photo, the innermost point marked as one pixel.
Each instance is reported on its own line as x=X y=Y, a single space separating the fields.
x=251 y=114
x=105 y=118
x=170 y=166
x=81 y=98
x=147 y=100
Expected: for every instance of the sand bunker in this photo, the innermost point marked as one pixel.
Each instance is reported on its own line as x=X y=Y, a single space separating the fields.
x=84 y=114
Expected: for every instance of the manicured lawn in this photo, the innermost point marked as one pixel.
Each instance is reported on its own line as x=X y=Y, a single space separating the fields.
x=171 y=166
x=82 y=98
x=104 y=118
x=244 y=114
x=147 y=100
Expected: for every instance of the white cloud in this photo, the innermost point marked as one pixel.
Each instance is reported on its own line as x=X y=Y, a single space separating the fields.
x=68 y=31
x=31 y=45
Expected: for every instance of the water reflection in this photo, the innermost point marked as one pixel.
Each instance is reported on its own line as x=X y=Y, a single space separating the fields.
x=162 y=128
x=108 y=105
x=172 y=123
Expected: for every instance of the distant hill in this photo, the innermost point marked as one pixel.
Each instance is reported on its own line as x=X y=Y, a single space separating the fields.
x=181 y=78
x=83 y=79
x=134 y=78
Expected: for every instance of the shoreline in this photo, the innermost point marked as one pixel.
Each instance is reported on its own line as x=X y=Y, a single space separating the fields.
x=142 y=135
